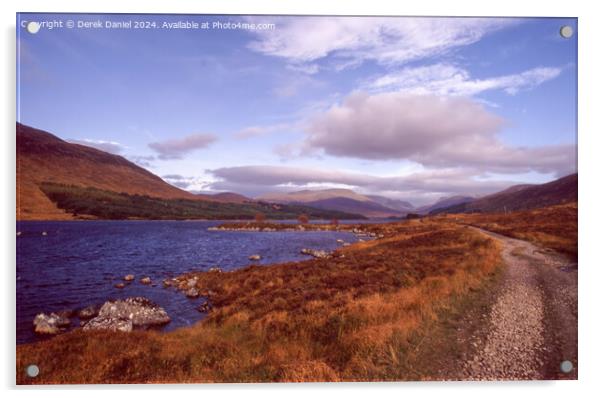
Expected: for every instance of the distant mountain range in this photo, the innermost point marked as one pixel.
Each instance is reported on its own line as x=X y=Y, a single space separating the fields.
x=517 y=197
x=520 y=197
x=59 y=180
x=343 y=200
x=444 y=203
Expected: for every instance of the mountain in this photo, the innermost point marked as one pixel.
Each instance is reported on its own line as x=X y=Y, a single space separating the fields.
x=444 y=203
x=43 y=157
x=57 y=180
x=337 y=199
x=395 y=204
x=368 y=209
x=312 y=195
x=522 y=197
x=230 y=197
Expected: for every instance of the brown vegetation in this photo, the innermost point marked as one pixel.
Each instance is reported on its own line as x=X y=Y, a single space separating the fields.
x=355 y=316
x=553 y=227
x=42 y=157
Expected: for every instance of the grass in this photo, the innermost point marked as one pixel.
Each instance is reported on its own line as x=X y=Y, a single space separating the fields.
x=553 y=227
x=103 y=204
x=355 y=317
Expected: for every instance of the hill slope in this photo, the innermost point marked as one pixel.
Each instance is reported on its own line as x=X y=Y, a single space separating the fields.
x=340 y=200
x=57 y=180
x=368 y=209
x=312 y=195
x=43 y=157
x=522 y=197
x=444 y=203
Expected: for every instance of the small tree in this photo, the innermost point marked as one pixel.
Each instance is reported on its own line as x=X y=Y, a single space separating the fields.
x=259 y=217
x=303 y=219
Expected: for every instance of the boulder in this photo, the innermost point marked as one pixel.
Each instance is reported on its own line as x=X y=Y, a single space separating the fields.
x=205 y=307
x=215 y=269
x=104 y=323
x=140 y=311
x=315 y=253
x=88 y=312
x=129 y=278
x=50 y=324
x=192 y=293
x=255 y=257
x=167 y=282
x=119 y=285
x=191 y=282
x=146 y=280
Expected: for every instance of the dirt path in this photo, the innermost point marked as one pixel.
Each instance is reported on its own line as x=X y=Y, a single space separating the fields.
x=532 y=326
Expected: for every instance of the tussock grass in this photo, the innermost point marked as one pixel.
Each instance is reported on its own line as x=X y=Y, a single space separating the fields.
x=553 y=227
x=356 y=316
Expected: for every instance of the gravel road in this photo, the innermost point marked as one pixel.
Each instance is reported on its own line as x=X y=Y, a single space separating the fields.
x=532 y=326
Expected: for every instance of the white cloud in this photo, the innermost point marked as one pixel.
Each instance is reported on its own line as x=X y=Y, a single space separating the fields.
x=105 y=146
x=419 y=187
x=431 y=130
x=259 y=131
x=381 y=39
x=178 y=147
x=449 y=80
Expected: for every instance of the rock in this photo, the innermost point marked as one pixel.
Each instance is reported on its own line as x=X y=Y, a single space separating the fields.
x=255 y=257
x=205 y=307
x=340 y=241
x=104 y=323
x=129 y=278
x=192 y=293
x=315 y=253
x=146 y=280
x=50 y=324
x=140 y=311
x=44 y=233
x=120 y=285
x=192 y=282
x=215 y=269
x=88 y=312
x=167 y=282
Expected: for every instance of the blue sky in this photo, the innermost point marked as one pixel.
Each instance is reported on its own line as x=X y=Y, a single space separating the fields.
x=411 y=108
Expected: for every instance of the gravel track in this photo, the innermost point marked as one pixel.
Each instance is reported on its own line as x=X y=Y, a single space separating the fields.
x=532 y=325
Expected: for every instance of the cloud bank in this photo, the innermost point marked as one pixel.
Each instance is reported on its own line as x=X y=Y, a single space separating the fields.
x=353 y=40
x=178 y=147
x=450 y=80
x=419 y=187
x=431 y=130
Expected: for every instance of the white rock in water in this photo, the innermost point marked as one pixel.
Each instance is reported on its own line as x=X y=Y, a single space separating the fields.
x=140 y=311
x=50 y=324
x=104 y=323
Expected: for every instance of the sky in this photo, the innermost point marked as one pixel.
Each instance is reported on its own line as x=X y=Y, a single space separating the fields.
x=406 y=107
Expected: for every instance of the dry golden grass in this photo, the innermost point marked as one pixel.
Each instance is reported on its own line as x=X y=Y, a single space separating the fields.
x=352 y=317
x=553 y=227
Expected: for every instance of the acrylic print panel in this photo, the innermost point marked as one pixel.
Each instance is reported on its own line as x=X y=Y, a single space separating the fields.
x=214 y=198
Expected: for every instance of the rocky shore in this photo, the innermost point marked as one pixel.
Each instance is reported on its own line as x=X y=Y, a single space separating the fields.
x=140 y=313
x=120 y=315
x=279 y=227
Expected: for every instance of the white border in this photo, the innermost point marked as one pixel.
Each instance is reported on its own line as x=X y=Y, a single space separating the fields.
x=589 y=163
